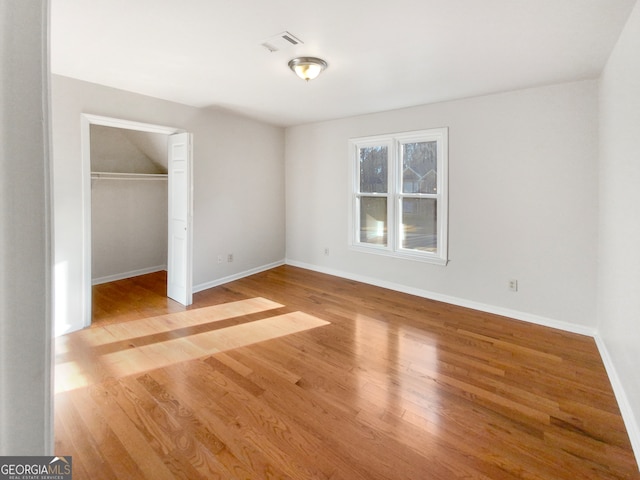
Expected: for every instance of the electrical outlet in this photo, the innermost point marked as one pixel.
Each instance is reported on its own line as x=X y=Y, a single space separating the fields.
x=230 y=258
x=326 y=251
x=219 y=258
x=513 y=285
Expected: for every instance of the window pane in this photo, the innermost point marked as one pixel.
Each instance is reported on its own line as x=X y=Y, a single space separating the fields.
x=419 y=229
x=373 y=220
x=373 y=169
x=419 y=167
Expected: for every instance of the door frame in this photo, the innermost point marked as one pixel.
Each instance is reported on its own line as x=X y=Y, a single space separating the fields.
x=86 y=120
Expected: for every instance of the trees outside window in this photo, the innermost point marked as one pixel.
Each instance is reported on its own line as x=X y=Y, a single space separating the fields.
x=399 y=195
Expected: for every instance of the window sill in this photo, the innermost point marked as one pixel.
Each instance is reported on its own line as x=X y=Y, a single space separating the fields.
x=416 y=257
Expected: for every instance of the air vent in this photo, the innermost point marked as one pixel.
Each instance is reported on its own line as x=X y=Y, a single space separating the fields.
x=282 y=41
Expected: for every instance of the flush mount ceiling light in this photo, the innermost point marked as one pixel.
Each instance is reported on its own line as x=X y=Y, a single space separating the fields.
x=307 y=68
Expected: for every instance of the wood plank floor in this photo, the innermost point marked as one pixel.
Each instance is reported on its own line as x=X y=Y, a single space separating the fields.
x=298 y=375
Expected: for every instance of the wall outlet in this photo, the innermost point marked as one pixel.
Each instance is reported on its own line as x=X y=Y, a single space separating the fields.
x=326 y=251
x=230 y=258
x=513 y=285
x=219 y=258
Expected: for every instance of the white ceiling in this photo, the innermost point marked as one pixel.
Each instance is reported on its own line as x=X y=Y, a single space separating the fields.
x=382 y=54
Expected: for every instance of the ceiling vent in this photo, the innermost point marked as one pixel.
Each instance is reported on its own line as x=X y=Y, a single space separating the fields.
x=282 y=41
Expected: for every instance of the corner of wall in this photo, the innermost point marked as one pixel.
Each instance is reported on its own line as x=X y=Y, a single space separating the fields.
x=628 y=415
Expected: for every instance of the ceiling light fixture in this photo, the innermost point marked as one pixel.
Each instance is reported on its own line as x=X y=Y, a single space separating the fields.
x=307 y=68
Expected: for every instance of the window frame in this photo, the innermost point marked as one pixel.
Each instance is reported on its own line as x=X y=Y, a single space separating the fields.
x=395 y=196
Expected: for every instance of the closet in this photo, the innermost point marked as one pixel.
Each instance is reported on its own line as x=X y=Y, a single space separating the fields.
x=128 y=203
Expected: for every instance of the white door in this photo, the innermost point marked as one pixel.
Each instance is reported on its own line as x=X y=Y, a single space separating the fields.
x=179 y=281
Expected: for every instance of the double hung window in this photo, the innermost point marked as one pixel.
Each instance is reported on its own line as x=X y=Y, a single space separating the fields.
x=399 y=195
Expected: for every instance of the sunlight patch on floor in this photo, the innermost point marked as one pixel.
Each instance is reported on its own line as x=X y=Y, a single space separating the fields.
x=171 y=321
x=84 y=365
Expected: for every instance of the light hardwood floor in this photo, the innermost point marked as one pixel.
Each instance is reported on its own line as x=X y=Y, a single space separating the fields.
x=295 y=374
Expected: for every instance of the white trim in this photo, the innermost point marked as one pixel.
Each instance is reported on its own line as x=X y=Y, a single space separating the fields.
x=394 y=196
x=632 y=426
x=403 y=254
x=631 y=423
x=629 y=418
x=130 y=124
x=236 y=276
x=49 y=325
x=123 y=275
x=85 y=153
x=461 y=302
x=355 y=196
x=86 y=120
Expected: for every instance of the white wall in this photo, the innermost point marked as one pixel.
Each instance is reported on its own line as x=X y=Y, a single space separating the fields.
x=26 y=417
x=238 y=185
x=619 y=219
x=117 y=150
x=523 y=202
x=128 y=228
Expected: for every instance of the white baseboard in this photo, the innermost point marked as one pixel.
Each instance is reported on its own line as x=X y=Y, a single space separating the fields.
x=235 y=276
x=133 y=273
x=633 y=428
x=461 y=302
x=630 y=421
x=628 y=416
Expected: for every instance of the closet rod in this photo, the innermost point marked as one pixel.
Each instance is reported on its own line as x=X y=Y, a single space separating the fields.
x=127 y=176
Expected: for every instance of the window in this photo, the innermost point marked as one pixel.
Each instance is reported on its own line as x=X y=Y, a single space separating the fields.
x=399 y=195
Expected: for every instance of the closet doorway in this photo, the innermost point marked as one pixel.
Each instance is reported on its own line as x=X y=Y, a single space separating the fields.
x=138 y=198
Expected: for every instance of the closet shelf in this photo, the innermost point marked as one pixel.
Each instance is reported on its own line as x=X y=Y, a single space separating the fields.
x=127 y=176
